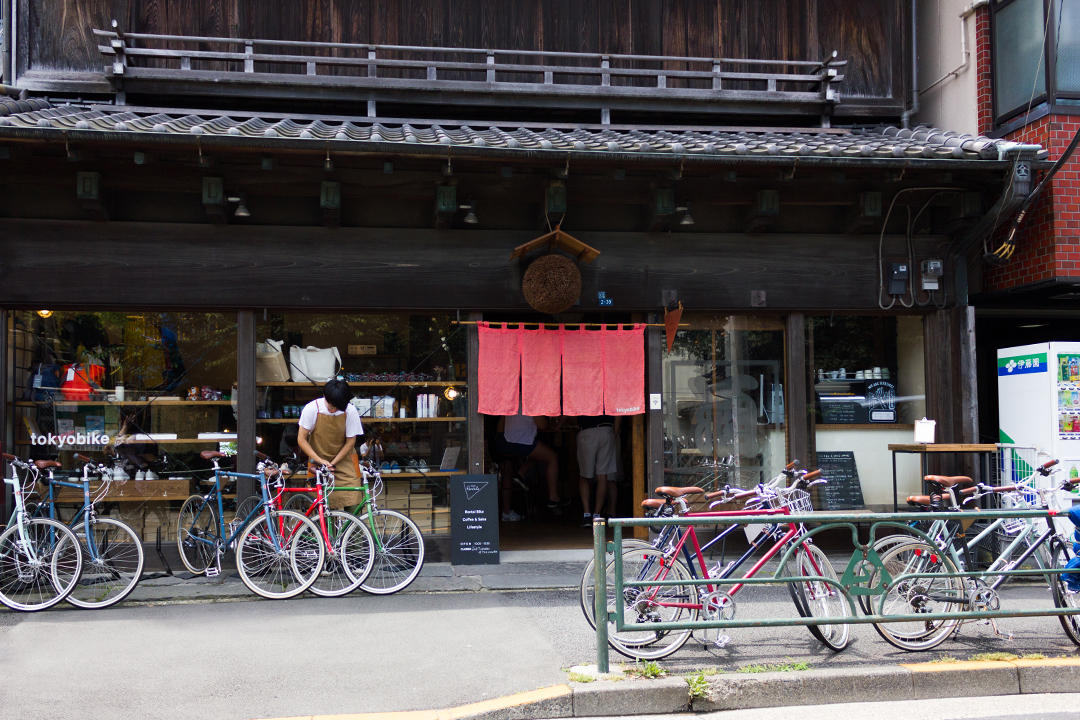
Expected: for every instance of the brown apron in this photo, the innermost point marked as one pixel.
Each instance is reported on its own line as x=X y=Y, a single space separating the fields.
x=326 y=439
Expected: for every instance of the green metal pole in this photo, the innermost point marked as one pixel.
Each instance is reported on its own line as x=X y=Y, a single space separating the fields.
x=600 y=593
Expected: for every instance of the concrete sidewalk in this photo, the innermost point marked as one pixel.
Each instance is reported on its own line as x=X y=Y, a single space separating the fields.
x=618 y=696
x=519 y=570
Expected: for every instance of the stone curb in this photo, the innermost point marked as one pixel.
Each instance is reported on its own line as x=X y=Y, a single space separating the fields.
x=735 y=691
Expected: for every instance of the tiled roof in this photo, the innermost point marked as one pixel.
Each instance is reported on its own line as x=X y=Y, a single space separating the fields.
x=883 y=143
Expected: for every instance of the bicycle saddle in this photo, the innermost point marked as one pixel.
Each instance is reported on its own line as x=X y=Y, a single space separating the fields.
x=42 y=464
x=674 y=492
x=652 y=504
x=211 y=454
x=949 y=480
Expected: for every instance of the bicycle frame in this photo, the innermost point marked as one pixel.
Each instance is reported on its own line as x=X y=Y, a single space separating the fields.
x=318 y=503
x=220 y=541
x=86 y=512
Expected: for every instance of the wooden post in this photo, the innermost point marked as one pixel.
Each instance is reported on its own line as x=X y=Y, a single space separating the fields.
x=5 y=333
x=716 y=81
x=637 y=453
x=476 y=420
x=490 y=66
x=245 y=401
x=654 y=383
x=798 y=435
x=605 y=75
x=249 y=61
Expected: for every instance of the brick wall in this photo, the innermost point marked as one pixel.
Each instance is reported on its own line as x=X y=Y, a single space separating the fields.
x=1048 y=241
x=983 y=86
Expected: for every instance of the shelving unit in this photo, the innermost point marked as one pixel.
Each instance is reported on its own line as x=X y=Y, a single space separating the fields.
x=372 y=383
x=75 y=404
x=366 y=419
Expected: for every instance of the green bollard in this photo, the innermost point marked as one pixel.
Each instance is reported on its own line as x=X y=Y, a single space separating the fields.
x=600 y=593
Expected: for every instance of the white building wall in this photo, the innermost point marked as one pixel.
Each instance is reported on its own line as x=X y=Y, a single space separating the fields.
x=946 y=65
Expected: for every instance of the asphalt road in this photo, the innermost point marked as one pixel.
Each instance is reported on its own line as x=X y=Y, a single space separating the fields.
x=371 y=654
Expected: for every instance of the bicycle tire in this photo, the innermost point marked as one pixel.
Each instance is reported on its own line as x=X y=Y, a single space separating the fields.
x=399 y=552
x=819 y=599
x=39 y=573
x=587 y=588
x=353 y=555
x=197 y=534
x=284 y=568
x=919 y=595
x=880 y=546
x=245 y=508
x=111 y=570
x=298 y=502
x=666 y=603
x=1063 y=596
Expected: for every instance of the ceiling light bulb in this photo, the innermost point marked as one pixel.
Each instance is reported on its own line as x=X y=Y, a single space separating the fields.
x=242 y=211
x=45 y=313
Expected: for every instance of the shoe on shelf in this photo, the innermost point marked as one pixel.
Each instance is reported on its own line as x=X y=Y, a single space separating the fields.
x=586 y=520
x=510 y=516
x=119 y=474
x=151 y=475
x=140 y=475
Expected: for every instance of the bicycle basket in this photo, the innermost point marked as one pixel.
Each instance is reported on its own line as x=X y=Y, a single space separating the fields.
x=796 y=501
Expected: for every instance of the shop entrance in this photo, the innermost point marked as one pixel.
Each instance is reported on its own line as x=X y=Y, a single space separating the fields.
x=543 y=498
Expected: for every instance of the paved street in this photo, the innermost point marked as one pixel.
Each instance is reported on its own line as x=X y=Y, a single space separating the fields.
x=243 y=659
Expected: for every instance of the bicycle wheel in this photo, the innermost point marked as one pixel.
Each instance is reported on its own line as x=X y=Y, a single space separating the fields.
x=588 y=581
x=815 y=598
x=197 y=534
x=112 y=564
x=298 y=502
x=1063 y=596
x=882 y=545
x=245 y=507
x=399 y=552
x=662 y=603
x=40 y=562
x=279 y=556
x=916 y=595
x=350 y=562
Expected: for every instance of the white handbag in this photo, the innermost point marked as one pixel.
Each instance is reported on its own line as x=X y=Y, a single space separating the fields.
x=312 y=364
x=270 y=363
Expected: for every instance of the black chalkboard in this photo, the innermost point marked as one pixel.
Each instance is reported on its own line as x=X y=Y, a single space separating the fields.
x=842 y=491
x=474 y=520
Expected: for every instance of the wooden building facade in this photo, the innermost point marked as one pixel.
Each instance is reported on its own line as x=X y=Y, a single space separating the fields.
x=372 y=202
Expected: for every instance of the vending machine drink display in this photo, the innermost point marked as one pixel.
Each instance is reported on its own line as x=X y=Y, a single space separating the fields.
x=1039 y=407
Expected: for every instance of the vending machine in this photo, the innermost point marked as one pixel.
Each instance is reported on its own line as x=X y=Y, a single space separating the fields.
x=1039 y=407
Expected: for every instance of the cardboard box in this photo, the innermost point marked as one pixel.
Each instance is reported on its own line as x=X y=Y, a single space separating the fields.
x=440 y=519
x=400 y=503
x=396 y=488
x=420 y=501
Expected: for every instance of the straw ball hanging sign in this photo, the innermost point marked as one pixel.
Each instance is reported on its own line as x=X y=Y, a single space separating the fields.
x=552 y=282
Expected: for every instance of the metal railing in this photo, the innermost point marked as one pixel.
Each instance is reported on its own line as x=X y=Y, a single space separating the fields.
x=852 y=582
x=580 y=75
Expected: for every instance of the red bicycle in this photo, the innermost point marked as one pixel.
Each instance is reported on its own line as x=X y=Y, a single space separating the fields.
x=347 y=542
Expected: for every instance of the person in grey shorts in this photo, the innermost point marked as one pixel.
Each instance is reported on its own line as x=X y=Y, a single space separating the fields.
x=596 y=461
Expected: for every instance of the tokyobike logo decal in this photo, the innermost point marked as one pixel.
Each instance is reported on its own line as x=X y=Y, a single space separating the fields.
x=91 y=438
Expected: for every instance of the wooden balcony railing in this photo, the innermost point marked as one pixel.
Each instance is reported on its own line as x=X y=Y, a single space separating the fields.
x=139 y=62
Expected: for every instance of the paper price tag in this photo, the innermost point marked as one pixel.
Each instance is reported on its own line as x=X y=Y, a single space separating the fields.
x=71 y=374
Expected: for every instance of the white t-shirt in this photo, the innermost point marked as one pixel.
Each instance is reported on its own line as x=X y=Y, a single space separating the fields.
x=318 y=407
x=519 y=429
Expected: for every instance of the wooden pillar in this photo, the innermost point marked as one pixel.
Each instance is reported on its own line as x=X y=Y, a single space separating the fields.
x=951 y=399
x=795 y=371
x=245 y=401
x=476 y=421
x=5 y=411
x=654 y=384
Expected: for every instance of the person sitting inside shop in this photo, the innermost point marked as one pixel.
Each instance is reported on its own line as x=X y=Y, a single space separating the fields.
x=329 y=427
x=518 y=440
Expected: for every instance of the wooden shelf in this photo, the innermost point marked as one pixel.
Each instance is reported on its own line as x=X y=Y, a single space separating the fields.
x=79 y=403
x=274 y=421
x=383 y=383
x=174 y=441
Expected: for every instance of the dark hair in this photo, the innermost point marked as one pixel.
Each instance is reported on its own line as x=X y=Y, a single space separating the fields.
x=337 y=393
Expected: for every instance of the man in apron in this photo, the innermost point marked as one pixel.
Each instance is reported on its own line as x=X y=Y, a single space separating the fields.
x=329 y=427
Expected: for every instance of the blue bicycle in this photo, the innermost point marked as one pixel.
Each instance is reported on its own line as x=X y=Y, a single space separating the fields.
x=112 y=553
x=279 y=553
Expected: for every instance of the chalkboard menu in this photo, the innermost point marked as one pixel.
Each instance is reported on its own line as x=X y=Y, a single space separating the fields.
x=474 y=520
x=842 y=491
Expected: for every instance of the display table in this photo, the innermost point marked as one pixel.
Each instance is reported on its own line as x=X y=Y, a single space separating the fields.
x=925 y=450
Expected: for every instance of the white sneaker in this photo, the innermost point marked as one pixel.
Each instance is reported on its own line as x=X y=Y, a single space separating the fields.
x=151 y=475
x=118 y=473
x=510 y=516
x=140 y=475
